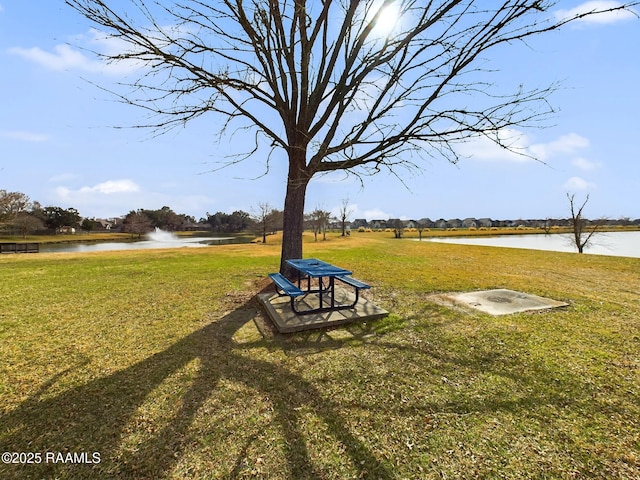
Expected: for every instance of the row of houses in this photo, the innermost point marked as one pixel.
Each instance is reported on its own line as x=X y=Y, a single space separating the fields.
x=473 y=223
x=115 y=224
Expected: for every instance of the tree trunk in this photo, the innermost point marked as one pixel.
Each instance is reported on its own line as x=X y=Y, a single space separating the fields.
x=293 y=221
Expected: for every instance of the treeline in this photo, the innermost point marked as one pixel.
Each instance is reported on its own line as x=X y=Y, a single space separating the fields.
x=266 y=221
x=21 y=216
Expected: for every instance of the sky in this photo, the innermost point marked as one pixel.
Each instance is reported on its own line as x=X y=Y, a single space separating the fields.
x=60 y=141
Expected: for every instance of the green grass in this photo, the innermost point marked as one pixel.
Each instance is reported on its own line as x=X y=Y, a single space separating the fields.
x=163 y=362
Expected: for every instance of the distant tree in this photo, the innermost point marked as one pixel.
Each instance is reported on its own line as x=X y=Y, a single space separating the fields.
x=26 y=223
x=89 y=224
x=420 y=226
x=265 y=219
x=218 y=221
x=55 y=218
x=12 y=204
x=173 y=221
x=164 y=218
x=239 y=221
x=344 y=214
x=398 y=227
x=236 y=222
x=583 y=230
x=137 y=222
x=319 y=221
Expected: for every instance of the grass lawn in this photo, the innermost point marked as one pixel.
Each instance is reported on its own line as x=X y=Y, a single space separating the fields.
x=162 y=363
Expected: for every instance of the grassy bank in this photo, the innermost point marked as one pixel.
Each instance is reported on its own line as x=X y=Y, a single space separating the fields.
x=162 y=362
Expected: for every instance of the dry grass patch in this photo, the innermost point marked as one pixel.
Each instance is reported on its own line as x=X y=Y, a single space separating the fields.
x=163 y=362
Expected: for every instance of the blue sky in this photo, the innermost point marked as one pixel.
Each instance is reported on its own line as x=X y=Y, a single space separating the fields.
x=59 y=145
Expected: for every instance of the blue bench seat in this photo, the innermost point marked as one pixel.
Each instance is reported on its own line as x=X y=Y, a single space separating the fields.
x=285 y=288
x=284 y=284
x=357 y=284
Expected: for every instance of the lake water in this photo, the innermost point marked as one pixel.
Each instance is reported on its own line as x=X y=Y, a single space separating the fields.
x=157 y=239
x=620 y=244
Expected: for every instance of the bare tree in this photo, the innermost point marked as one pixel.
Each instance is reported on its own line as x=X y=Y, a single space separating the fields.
x=137 y=222
x=266 y=219
x=345 y=213
x=12 y=204
x=420 y=226
x=319 y=221
x=320 y=81
x=26 y=223
x=583 y=230
x=398 y=227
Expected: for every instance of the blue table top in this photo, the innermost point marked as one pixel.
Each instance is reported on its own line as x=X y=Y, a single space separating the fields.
x=317 y=268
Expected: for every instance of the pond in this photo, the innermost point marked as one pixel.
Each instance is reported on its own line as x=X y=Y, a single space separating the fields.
x=153 y=240
x=621 y=244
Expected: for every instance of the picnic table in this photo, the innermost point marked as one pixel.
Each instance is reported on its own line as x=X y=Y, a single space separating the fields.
x=324 y=285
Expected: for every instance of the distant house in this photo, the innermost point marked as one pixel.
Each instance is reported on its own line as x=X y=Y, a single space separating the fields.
x=360 y=222
x=454 y=223
x=102 y=224
x=67 y=230
x=426 y=223
x=485 y=222
x=469 y=223
x=189 y=226
x=440 y=223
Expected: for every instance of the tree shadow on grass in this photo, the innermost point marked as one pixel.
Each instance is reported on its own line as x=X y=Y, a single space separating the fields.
x=97 y=416
x=105 y=415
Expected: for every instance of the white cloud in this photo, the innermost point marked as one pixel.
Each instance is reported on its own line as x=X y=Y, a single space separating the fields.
x=584 y=164
x=64 y=57
x=565 y=145
x=24 y=136
x=112 y=186
x=105 y=199
x=116 y=197
x=577 y=183
x=595 y=6
x=369 y=214
x=483 y=148
x=522 y=149
x=105 y=188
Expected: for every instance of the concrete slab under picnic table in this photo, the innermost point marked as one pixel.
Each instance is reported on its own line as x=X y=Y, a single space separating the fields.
x=287 y=321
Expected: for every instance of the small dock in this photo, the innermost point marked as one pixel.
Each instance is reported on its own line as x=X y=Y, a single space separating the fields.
x=15 y=247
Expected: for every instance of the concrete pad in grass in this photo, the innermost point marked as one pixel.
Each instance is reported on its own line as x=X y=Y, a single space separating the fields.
x=502 y=301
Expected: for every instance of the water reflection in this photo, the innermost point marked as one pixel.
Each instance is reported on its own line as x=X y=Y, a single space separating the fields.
x=619 y=244
x=153 y=240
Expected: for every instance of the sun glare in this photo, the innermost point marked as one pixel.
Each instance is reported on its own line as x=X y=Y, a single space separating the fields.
x=387 y=20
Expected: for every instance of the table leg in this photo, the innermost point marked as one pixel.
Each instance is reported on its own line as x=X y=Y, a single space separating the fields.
x=332 y=286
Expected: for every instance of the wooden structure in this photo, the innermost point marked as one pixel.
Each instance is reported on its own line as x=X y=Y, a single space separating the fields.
x=19 y=247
